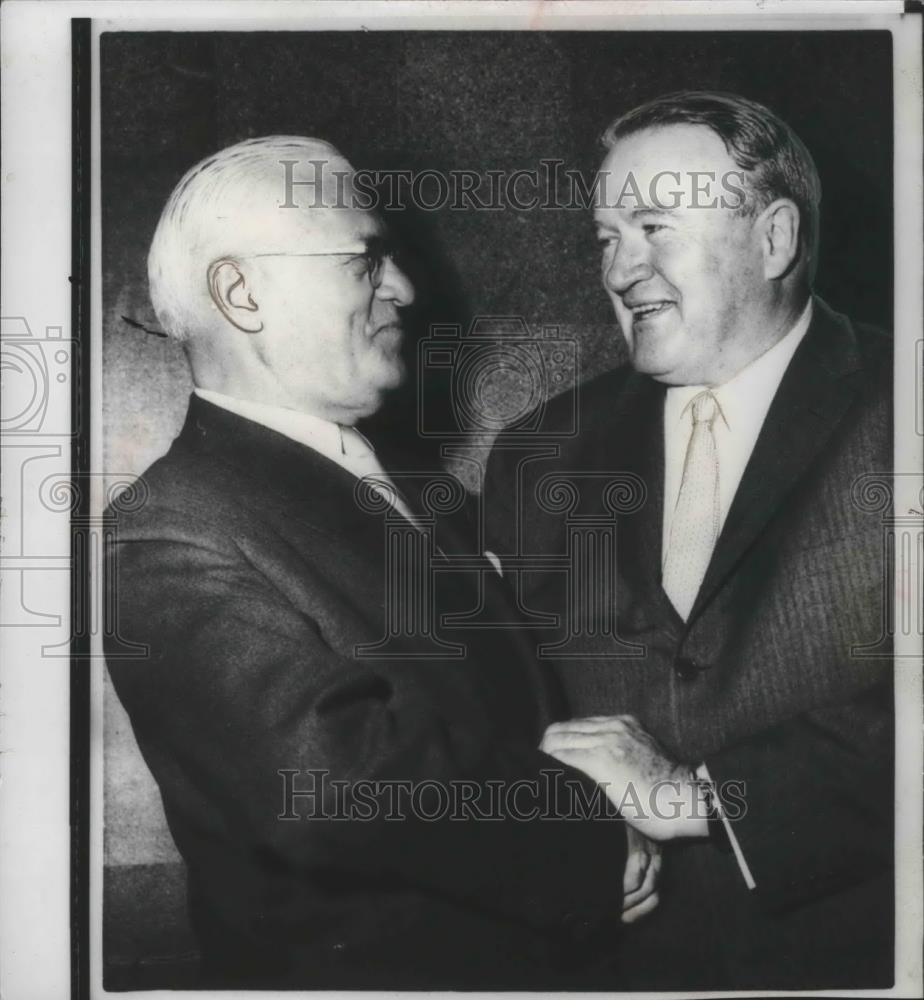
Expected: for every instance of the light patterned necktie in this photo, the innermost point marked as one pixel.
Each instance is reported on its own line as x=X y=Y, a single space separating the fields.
x=695 y=524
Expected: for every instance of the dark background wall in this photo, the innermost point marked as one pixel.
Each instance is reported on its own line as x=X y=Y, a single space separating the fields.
x=481 y=101
x=444 y=101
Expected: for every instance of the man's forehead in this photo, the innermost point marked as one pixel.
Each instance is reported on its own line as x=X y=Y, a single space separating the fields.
x=664 y=170
x=349 y=223
x=314 y=230
x=677 y=148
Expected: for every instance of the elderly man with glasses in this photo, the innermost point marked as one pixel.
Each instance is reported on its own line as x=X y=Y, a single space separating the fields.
x=354 y=811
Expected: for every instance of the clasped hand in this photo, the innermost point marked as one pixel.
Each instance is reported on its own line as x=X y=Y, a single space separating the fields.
x=656 y=796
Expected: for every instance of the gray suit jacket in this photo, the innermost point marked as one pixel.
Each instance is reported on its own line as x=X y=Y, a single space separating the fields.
x=253 y=576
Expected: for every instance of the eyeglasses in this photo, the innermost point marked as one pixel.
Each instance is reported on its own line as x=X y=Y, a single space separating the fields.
x=378 y=250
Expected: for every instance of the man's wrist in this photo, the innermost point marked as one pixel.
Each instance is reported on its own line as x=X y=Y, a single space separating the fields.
x=715 y=827
x=680 y=807
x=701 y=806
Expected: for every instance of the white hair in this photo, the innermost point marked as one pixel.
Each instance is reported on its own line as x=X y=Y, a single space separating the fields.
x=231 y=202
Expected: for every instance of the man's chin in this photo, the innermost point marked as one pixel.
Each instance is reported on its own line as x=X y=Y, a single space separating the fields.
x=649 y=363
x=395 y=374
x=659 y=355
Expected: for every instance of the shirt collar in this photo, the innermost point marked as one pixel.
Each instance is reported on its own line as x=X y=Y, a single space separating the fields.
x=323 y=436
x=747 y=395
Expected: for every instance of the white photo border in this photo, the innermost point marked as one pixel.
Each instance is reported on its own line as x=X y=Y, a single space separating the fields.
x=34 y=795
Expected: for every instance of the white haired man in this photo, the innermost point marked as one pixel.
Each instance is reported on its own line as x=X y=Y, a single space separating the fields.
x=259 y=582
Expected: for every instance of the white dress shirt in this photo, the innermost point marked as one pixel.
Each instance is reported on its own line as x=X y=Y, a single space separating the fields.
x=744 y=401
x=346 y=446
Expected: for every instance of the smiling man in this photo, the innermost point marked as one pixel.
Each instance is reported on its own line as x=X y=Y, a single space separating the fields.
x=357 y=791
x=750 y=580
x=698 y=289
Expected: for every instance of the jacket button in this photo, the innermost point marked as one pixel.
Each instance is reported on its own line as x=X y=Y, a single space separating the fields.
x=686 y=669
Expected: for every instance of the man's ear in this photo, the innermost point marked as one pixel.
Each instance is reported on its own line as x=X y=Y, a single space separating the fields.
x=229 y=291
x=780 y=224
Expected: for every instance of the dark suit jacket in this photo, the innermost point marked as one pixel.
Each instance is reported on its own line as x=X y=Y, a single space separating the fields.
x=765 y=681
x=252 y=574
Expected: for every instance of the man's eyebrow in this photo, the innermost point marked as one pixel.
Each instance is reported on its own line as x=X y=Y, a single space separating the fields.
x=372 y=241
x=649 y=210
x=652 y=210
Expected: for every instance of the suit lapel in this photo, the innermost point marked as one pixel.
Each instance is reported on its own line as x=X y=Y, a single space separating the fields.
x=813 y=396
x=639 y=427
x=308 y=486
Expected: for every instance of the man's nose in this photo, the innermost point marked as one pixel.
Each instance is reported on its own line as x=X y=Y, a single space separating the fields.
x=396 y=285
x=627 y=265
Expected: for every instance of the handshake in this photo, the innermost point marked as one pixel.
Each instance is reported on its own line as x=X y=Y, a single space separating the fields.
x=658 y=798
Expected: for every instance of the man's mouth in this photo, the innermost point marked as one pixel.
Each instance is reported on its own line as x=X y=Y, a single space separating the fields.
x=646 y=310
x=389 y=338
x=392 y=328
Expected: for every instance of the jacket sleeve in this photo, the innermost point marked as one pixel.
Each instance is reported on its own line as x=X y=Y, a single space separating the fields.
x=241 y=685
x=811 y=800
